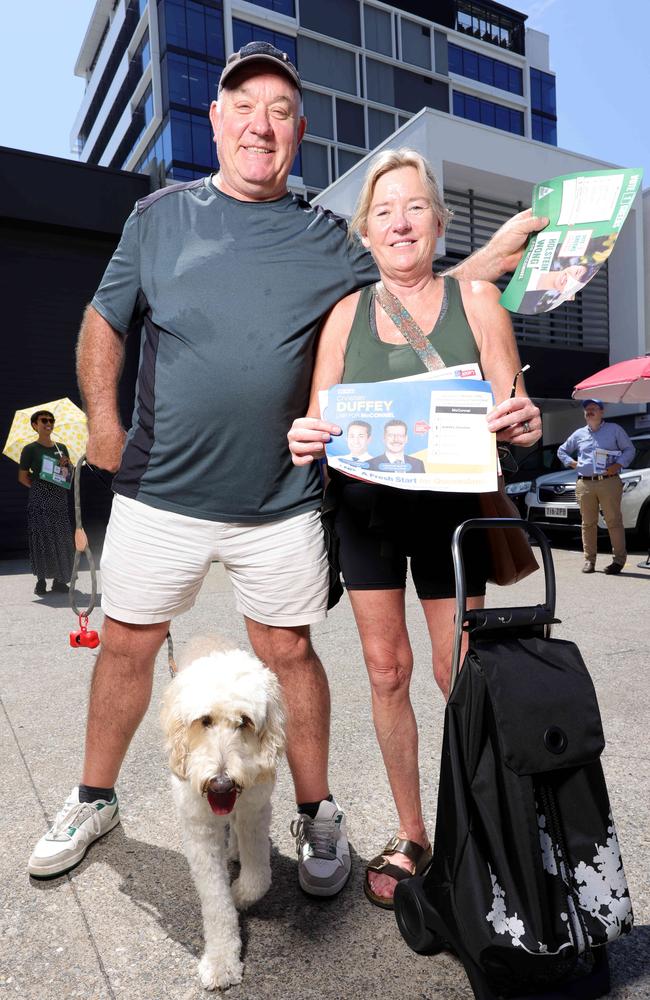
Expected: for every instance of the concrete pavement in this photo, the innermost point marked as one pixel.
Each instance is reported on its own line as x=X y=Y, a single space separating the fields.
x=125 y=925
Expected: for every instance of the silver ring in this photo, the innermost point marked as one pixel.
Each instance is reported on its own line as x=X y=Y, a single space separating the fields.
x=526 y=427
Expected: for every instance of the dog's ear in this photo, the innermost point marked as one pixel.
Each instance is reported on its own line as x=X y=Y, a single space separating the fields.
x=272 y=738
x=176 y=733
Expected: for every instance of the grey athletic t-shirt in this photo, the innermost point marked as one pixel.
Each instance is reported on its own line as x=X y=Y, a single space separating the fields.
x=230 y=295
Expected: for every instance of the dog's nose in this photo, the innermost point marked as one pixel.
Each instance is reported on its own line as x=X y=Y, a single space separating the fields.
x=221 y=785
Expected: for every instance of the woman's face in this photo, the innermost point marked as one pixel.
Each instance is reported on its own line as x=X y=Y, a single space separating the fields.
x=560 y=278
x=402 y=229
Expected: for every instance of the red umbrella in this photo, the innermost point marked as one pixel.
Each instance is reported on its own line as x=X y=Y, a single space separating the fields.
x=625 y=382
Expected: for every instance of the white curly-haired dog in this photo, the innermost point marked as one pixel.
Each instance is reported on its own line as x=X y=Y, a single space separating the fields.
x=223 y=719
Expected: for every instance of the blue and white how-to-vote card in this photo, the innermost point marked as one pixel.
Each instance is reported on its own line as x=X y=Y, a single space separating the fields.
x=422 y=433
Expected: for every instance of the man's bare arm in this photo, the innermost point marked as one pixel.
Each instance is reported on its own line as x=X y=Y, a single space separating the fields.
x=504 y=251
x=100 y=359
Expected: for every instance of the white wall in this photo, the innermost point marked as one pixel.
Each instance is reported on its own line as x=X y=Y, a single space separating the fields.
x=537 y=49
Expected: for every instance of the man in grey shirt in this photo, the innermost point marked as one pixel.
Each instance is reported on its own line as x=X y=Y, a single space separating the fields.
x=228 y=277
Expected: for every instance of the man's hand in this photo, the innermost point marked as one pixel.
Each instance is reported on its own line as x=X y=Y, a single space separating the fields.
x=104 y=448
x=509 y=242
x=504 y=251
x=613 y=470
x=308 y=437
x=517 y=421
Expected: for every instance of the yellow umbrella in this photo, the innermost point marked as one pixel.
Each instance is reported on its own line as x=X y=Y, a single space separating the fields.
x=70 y=428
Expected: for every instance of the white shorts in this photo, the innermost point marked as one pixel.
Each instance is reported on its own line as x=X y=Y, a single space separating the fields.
x=154 y=562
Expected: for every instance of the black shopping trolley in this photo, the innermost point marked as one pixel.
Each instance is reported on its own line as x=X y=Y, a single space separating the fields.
x=526 y=885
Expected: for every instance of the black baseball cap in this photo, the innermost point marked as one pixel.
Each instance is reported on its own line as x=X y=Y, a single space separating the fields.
x=261 y=52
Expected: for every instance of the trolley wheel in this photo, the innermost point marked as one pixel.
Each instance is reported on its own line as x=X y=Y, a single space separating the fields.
x=411 y=907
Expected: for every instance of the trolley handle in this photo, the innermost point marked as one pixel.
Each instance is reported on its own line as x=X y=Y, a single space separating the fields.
x=541 y=613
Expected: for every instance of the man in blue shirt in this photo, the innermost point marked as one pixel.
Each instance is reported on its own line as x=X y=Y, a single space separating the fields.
x=601 y=450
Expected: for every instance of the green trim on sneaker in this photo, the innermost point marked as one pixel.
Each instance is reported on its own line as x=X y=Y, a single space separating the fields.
x=76 y=827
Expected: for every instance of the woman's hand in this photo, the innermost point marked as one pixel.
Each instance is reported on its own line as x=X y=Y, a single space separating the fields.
x=308 y=437
x=517 y=421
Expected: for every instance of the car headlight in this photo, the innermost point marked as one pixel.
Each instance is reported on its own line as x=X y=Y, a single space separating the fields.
x=630 y=484
x=515 y=489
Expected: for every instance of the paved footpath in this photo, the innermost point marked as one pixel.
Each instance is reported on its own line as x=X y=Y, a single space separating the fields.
x=125 y=925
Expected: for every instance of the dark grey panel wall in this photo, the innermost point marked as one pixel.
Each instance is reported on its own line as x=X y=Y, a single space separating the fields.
x=50 y=191
x=441 y=53
x=48 y=273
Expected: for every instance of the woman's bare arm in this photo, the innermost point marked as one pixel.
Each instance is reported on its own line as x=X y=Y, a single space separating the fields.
x=309 y=434
x=500 y=361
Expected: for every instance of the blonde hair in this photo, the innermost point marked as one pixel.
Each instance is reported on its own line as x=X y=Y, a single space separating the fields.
x=383 y=163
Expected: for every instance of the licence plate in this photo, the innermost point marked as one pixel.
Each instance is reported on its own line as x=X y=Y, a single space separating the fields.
x=556 y=511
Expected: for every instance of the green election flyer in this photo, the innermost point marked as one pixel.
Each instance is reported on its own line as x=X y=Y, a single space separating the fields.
x=585 y=212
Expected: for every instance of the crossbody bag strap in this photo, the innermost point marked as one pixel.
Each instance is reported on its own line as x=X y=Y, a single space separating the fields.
x=409 y=329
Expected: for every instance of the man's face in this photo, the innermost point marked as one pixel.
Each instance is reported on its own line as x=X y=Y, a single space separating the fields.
x=257 y=128
x=593 y=415
x=565 y=280
x=395 y=439
x=358 y=438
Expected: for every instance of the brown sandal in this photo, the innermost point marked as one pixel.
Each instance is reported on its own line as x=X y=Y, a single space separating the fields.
x=420 y=856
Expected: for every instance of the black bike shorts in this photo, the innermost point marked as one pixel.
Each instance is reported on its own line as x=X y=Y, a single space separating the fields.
x=380 y=528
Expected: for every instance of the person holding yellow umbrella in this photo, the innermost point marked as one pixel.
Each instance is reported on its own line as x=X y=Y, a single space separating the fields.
x=45 y=469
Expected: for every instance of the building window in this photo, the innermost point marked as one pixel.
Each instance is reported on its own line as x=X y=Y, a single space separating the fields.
x=296 y=166
x=475 y=109
x=243 y=32
x=490 y=26
x=349 y=123
x=191 y=140
x=544 y=129
x=188 y=82
x=476 y=66
x=378 y=30
x=413 y=92
x=336 y=18
x=315 y=171
x=380 y=125
x=318 y=111
x=287 y=7
x=543 y=107
x=542 y=92
x=189 y=25
x=347 y=160
x=380 y=82
x=327 y=65
x=416 y=44
x=398 y=88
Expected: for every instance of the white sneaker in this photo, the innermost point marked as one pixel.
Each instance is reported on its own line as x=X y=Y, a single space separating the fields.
x=73 y=831
x=323 y=851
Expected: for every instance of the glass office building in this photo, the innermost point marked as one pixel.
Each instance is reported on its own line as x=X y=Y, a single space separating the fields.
x=152 y=68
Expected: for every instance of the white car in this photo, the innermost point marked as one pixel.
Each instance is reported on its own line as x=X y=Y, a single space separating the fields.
x=552 y=499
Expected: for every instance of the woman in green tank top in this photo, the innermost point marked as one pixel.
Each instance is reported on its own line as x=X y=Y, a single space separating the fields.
x=400 y=217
